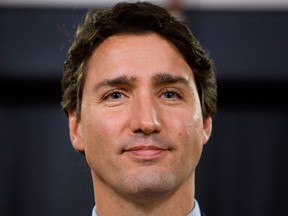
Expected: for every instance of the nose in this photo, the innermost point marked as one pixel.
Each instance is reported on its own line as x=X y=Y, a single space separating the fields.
x=145 y=117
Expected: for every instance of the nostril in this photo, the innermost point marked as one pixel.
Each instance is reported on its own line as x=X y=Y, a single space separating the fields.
x=138 y=131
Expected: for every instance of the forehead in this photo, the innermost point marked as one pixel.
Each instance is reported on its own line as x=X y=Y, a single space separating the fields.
x=136 y=55
x=149 y=42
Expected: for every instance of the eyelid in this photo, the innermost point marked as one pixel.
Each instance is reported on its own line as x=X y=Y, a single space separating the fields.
x=112 y=91
x=178 y=93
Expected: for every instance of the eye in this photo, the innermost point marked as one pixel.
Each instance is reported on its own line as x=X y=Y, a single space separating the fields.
x=171 y=95
x=113 y=95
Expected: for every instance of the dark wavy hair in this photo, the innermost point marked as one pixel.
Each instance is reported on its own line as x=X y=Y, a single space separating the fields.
x=135 y=18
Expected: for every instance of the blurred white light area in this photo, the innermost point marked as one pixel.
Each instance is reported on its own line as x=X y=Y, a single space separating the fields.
x=238 y=4
x=196 y=4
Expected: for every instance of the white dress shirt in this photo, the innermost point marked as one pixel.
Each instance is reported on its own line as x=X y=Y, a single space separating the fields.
x=194 y=212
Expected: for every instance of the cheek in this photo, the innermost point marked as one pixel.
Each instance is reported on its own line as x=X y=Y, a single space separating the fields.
x=189 y=125
x=190 y=135
x=98 y=143
x=101 y=132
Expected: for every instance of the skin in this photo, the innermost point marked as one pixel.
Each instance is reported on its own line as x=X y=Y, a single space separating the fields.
x=141 y=127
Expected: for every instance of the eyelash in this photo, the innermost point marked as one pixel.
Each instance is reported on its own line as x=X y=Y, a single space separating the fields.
x=176 y=93
x=110 y=93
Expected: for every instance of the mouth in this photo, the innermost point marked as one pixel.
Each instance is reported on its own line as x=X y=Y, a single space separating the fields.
x=145 y=152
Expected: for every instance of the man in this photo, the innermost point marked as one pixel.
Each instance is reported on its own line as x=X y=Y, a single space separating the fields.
x=140 y=94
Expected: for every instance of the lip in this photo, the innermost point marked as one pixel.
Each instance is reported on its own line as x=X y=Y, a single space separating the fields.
x=146 y=152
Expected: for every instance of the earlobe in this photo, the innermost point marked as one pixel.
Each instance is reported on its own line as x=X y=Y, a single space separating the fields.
x=75 y=131
x=207 y=129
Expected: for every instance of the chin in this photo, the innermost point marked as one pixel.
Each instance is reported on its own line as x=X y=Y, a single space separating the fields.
x=150 y=184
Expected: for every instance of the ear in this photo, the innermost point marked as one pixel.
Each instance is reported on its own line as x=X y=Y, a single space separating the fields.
x=207 y=129
x=75 y=131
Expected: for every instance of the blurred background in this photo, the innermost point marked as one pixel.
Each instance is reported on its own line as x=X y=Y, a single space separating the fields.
x=243 y=170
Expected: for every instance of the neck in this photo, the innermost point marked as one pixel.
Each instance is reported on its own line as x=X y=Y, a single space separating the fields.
x=178 y=202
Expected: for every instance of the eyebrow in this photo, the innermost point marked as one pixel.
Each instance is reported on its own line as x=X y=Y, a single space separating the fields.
x=117 y=81
x=158 y=79
x=166 y=78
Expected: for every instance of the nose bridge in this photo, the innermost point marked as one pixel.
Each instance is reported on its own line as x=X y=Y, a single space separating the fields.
x=145 y=114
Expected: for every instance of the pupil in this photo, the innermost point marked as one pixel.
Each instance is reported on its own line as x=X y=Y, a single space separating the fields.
x=116 y=95
x=169 y=94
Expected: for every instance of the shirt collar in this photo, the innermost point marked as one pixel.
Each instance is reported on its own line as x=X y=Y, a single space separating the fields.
x=195 y=211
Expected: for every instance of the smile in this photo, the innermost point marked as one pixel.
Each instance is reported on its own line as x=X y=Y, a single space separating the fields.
x=145 y=152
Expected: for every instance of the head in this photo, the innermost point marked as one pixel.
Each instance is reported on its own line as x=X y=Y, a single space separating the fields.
x=140 y=93
x=135 y=18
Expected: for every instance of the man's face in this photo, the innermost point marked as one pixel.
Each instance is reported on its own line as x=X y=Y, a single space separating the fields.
x=141 y=124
